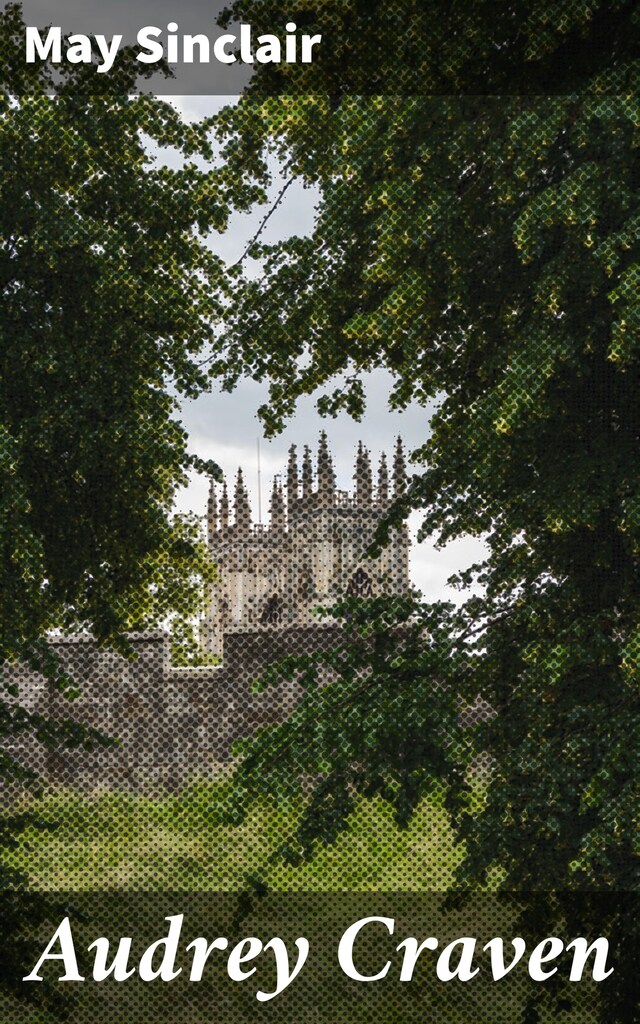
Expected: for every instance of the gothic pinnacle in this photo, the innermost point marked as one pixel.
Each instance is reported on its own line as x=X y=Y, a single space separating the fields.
x=383 y=481
x=399 y=470
x=242 y=510
x=326 y=475
x=224 y=507
x=292 y=478
x=364 y=482
x=212 y=511
x=307 y=475
x=277 y=507
x=310 y=551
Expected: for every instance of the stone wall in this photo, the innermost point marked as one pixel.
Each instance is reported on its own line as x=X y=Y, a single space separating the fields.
x=171 y=723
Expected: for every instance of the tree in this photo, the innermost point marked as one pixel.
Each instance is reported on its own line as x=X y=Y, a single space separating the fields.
x=485 y=251
x=109 y=300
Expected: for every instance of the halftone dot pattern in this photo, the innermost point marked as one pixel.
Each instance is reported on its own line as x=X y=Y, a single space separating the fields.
x=168 y=726
x=356 y=765
x=148 y=818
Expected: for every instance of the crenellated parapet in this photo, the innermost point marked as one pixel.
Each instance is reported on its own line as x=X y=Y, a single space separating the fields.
x=312 y=551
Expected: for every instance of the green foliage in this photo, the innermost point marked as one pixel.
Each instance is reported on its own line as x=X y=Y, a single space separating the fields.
x=409 y=47
x=384 y=726
x=109 y=296
x=123 y=841
x=484 y=250
x=109 y=300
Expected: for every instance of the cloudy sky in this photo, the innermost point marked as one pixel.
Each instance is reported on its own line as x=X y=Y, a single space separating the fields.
x=224 y=427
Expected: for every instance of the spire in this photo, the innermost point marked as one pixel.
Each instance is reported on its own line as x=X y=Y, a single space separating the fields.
x=367 y=490
x=224 y=507
x=326 y=475
x=212 y=512
x=277 y=507
x=364 y=482
x=242 y=510
x=399 y=470
x=307 y=475
x=383 y=481
x=292 y=479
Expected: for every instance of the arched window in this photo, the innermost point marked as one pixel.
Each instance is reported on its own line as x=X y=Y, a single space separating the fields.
x=360 y=585
x=272 y=611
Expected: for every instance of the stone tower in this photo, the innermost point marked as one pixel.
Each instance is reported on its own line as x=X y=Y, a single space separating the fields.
x=313 y=550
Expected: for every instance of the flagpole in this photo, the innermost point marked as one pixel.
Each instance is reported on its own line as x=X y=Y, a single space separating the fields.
x=259 y=483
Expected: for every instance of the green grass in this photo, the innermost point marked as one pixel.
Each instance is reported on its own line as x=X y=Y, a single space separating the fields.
x=120 y=841
x=126 y=844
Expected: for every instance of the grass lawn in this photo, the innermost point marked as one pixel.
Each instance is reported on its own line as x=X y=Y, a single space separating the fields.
x=125 y=842
x=175 y=844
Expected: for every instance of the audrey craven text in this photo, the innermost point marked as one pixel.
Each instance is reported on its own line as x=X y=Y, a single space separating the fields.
x=156 y=44
x=460 y=960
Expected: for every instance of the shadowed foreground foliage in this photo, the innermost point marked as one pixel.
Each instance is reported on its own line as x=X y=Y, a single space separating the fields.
x=485 y=251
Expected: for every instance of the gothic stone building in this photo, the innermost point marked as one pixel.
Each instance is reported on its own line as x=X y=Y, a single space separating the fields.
x=174 y=722
x=313 y=550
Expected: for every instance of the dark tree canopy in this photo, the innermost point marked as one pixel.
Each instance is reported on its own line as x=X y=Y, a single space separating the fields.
x=482 y=248
x=409 y=47
x=110 y=295
x=485 y=251
x=109 y=298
